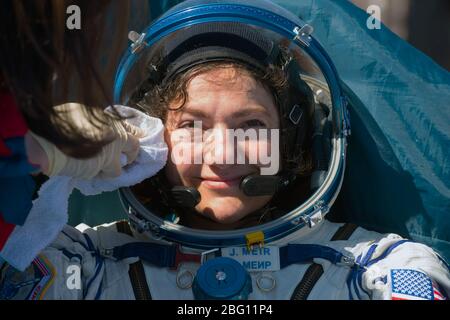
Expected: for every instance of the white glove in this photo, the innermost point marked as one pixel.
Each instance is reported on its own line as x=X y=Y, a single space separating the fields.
x=106 y=164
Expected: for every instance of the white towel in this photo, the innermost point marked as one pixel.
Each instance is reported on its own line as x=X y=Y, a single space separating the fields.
x=49 y=212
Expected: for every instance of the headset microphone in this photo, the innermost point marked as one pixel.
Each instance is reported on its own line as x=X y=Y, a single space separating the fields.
x=259 y=185
x=252 y=186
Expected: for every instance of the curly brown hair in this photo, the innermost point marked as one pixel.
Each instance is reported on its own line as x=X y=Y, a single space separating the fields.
x=156 y=100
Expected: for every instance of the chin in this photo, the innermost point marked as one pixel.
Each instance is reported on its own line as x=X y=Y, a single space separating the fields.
x=227 y=219
x=220 y=215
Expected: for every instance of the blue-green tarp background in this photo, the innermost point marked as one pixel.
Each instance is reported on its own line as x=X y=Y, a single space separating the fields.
x=398 y=168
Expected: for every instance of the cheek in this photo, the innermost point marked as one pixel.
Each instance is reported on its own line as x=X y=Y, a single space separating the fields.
x=262 y=151
x=184 y=145
x=180 y=168
x=182 y=174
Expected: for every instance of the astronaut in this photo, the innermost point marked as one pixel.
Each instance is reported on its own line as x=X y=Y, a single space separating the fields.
x=210 y=226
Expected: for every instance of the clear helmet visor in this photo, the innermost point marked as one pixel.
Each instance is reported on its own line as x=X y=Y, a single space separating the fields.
x=277 y=33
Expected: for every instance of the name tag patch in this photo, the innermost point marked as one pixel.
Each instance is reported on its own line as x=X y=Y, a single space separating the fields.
x=258 y=259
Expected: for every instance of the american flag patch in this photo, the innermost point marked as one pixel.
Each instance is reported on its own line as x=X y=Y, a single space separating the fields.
x=410 y=284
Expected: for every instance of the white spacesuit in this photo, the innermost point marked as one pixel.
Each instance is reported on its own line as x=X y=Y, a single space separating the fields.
x=76 y=266
x=297 y=254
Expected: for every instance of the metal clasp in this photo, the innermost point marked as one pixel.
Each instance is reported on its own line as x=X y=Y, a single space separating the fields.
x=303 y=34
x=296 y=114
x=347 y=128
x=138 y=41
x=260 y=282
x=108 y=253
x=321 y=209
x=313 y=219
x=188 y=282
x=347 y=261
x=208 y=255
x=140 y=225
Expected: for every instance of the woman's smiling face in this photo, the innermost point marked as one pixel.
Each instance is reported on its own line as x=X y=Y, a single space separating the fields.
x=221 y=99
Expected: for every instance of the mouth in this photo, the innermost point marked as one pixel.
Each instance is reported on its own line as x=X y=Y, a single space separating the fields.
x=220 y=182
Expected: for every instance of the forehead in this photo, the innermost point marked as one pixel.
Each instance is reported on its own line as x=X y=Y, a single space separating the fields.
x=223 y=81
x=233 y=77
x=224 y=91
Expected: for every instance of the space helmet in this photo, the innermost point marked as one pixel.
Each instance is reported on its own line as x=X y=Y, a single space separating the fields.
x=313 y=112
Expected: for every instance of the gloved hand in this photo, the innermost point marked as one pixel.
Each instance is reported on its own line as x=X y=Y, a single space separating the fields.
x=106 y=164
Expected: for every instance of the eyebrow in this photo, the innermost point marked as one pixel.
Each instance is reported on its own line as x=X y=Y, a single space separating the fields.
x=250 y=111
x=239 y=114
x=194 y=112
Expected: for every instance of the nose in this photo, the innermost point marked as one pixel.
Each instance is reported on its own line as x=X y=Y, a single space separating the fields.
x=219 y=150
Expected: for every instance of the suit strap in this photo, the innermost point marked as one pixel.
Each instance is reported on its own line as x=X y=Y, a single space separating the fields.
x=136 y=271
x=315 y=270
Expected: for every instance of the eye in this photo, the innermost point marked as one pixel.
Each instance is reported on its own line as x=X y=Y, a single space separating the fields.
x=186 y=125
x=254 y=123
